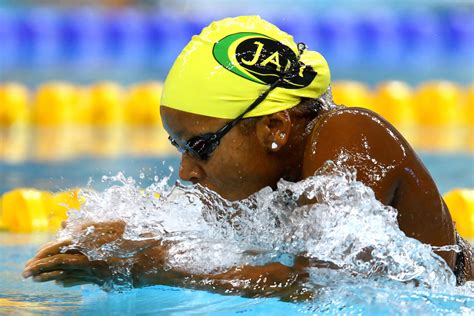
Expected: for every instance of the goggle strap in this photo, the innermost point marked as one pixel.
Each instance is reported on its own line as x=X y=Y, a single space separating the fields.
x=224 y=129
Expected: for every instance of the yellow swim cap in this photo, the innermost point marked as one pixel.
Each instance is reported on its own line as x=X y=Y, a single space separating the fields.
x=234 y=60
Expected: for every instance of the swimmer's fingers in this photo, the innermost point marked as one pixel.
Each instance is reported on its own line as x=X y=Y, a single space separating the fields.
x=50 y=249
x=97 y=234
x=57 y=262
x=65 y=275
x=48 y=276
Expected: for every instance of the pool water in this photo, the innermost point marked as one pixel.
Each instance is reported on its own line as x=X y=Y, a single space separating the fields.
x=18 y=296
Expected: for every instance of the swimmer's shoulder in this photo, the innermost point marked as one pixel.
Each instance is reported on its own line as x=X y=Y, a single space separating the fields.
x=356 y=130
x=359 y=138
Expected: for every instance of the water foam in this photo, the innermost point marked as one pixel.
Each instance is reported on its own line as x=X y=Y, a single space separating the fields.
x=343 y=227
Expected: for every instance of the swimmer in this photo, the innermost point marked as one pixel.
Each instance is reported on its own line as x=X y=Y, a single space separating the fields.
x=247 y=106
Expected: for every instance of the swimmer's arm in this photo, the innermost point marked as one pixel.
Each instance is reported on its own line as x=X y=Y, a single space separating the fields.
x=272 y=279
x=74 y=268
x=385 y=162
x=148 y=267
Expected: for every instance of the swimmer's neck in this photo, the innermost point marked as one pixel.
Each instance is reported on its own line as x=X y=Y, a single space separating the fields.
x=293 y=153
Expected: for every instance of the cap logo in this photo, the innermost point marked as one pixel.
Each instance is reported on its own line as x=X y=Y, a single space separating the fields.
x=262 y=59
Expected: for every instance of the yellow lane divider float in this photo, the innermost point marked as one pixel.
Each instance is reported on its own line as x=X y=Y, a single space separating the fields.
x=433 y=103
x=142 y=104
x=29 y=210
x=439 y=106
x=57 y=103
x=469 y=111
x=436 y=115
x=104 y=104
x=62 y=103
x=14 y=104
x=352 y=93
x=62 y=121
x=461 y=206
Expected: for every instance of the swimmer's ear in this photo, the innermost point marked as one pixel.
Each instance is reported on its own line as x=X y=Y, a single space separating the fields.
x=273 y=130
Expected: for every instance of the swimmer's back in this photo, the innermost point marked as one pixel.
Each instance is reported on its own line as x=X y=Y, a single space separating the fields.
x=384 y=161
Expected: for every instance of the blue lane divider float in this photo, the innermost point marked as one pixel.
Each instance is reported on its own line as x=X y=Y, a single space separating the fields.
x=82 y=36
x=125 y=35
x=421 y=34
x=91 y=36
x=39 y=35
x=379 y=38
x=167 y=34
x=8 y=39
x=459 y=33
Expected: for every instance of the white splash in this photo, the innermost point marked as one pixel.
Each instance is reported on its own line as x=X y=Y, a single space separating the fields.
x=344 y=227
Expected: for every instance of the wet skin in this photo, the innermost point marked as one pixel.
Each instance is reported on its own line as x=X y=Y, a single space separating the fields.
x=248 y=160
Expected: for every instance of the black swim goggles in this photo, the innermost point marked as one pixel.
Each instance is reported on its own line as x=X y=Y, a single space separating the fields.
x=202 y=146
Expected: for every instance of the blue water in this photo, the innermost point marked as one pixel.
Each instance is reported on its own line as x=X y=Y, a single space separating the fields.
x=18 y=296
x=47 y=298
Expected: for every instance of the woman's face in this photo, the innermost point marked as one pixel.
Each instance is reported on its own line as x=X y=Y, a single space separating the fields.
x=238 y=167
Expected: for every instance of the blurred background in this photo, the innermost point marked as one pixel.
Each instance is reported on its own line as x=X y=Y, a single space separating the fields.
x=132 y=41
x=80 y=81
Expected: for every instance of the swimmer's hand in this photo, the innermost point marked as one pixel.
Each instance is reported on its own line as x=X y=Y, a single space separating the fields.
x=70 y=267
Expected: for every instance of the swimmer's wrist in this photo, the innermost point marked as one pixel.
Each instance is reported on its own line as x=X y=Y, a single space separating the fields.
x=148 y=266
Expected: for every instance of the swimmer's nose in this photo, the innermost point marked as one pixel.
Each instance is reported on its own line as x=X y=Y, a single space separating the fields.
x=189 y=170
